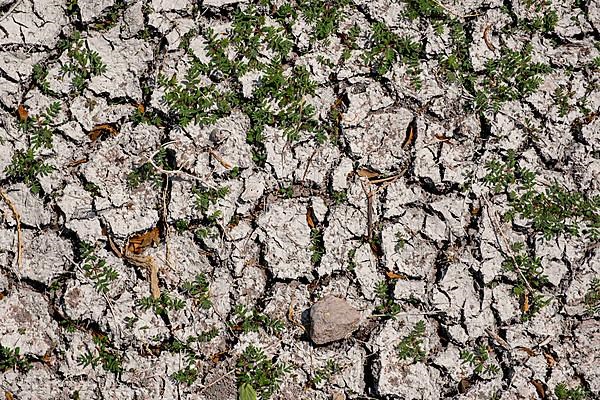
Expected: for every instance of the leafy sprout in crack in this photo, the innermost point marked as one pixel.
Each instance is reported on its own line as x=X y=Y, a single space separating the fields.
x=83 y=63
x=480 y=361
x=199 y=290
x=258 y=376
x=388 y=306
x=162 y=304
x=96 y=268
x=13 y=359
x=592 y=297
x=247 y=320
x=411 y=345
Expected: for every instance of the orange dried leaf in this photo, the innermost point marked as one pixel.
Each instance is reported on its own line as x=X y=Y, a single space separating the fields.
x=525 y=303
x=393 y=275
x=22 y=112
x=310 y=218
x=138 y=243
x=8 y=395
x=410 y=136
x=549 y=359
x=367 y=173
x=539 y=388
x=102 y=129
x=141 y=108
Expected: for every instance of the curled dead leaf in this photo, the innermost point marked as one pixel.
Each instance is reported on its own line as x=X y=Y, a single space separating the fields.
x=393 y=275
x=8 y=395
x=310 y=218
x=140 y=107
x=526 y=350
x=549 y=359
x=138 y=243
x=539 y=388
x=101 y=130
x=22 y=113
x=410 y=136
x=367 y=173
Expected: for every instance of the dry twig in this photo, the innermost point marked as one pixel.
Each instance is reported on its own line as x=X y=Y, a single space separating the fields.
x=17 y=218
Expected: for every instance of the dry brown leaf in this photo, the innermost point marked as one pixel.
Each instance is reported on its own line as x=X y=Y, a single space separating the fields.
x=525 y=303
x=393 y=275
x=526 y=350
x=75 y=163
x=102 y=129
x=410 y=137
x=8 y=395
x=22 y=113
x=486 y=38
x=310 y=218
x=539 y=388
x=464 y=385
x=549 y=359
x=367 y=173
x=138 y=243
x=140 y=107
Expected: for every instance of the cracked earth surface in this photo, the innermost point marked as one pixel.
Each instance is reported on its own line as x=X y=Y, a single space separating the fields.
x=181 y=181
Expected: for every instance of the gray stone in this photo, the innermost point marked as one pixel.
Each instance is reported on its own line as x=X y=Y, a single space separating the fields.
x=332 y=319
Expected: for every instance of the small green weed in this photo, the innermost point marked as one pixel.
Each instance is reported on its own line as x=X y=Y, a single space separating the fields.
x=513 y=76
x=562 y=392
x=199 y=290
x=481 y=362
x=323 y=374
x=161 y=305
x=104 y=354
x=411 y=345
x=146 y=172
x=388 y=306
x=317 y=245
x=26 y=166
x=528 y=270
x=96 y=268
x=187 y=375
x=13 y=359
x=251 y=321
x=552 y=212
x=592 y=297
x=40 y=78
x=324 y=15
x=257 y=375
x=84 y=63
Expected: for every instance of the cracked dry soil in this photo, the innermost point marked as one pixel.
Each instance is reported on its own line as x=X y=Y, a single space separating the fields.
x=182 y=180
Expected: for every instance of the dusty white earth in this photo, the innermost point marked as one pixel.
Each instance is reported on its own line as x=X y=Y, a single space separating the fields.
x=182 y=180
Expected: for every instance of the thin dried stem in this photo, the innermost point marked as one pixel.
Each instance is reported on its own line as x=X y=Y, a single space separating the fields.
x=17 y=218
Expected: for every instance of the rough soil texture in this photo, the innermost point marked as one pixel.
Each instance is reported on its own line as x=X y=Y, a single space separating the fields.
x=180 y=181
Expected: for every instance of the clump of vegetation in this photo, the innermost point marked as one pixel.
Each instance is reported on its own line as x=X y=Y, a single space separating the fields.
x=83 y=63
x=324 y=15
x=530 y=280
x=199 y=290
x=411 y=345
x=317 y=245
x=388 y=306
x=248 y=320
x=147 y=172
x=13 y=359
x=96 y=268
x=104 y=354
x=165 y=302
x=258 y=376
x=562 y=392
x=513 y=76
x=592 y=297
x=323 y=374
x=480 y=360
x=26 y=166
x=552 y=212
x=387 y=48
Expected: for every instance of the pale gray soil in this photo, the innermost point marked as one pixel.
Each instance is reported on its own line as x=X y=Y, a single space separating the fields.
x=376 y=195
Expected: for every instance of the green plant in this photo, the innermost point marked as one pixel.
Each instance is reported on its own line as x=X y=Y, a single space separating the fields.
x=561 y=99
x=84 y=63
x=317 y=245
x=411 y=345
x=96 y=268
x=513 y=76
x=12 y=359
x=530 y=279
x=103 y=354
x=187 y=375
x=162 y=304
x=387 y=48
x=592 y=297
x=562 y=392
x=552 y=212
x=257 y=375
x=323 y=374
x=324 y=15
x=388 y=306
x=480 y=360
x=26 y=166
x=427 y=9
x=206 y=197
x=110 y=16
x=147 y=172
x=251 y=321
x=351 y=259
x=40 y=75
x=199 y=290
